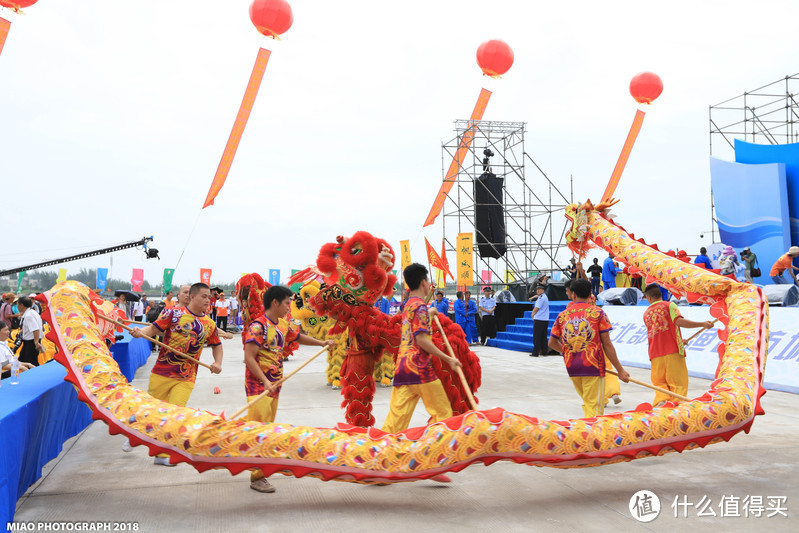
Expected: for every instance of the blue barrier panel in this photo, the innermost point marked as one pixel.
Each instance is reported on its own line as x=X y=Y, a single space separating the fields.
x=36 y=417
x=751 y=204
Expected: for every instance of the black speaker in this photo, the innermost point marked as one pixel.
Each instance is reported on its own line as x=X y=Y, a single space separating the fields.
x=489 y=218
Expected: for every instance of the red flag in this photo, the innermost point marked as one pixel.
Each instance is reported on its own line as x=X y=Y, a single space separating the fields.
x=434 y=260
x=137 y=279
x=444 y=260
x=205 y=275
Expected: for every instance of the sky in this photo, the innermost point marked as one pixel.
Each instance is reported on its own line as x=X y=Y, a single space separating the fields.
x=114 y=115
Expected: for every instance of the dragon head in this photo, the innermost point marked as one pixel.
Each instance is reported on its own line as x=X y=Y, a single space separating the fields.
x=579 y=216
x=360 y=266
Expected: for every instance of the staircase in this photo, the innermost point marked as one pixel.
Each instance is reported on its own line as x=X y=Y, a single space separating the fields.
x=519 y=336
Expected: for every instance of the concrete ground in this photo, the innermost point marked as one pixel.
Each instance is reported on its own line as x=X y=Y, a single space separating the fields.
x=93 y=480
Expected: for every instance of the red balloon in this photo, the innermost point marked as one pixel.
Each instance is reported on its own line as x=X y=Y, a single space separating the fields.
x=494 y=57
x=271 y=17
x=16 y=5
x=645 y=87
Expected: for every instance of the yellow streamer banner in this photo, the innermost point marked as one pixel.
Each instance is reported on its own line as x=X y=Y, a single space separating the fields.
x=509 y=277
x=465 y=256
x=62 y=275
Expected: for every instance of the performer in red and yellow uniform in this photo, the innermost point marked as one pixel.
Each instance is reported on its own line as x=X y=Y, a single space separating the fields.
x=666 y=350
x=187 y=329
x=580 y=333
x=264 y=341
x=414 y=375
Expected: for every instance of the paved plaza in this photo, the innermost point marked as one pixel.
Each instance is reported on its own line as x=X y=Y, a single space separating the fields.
x=93 y=480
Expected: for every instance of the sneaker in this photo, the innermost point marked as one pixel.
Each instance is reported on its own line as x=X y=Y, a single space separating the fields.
x=163 y=461
x=441 y=478
x=616 y=399
x=262 y=485
x=126 y=447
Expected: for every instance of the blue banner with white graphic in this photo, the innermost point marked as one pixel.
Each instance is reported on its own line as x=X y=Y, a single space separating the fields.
x=274 y=276
x=102 y=279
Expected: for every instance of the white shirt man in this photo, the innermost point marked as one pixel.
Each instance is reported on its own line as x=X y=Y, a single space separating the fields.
x=138 y=310
x=31 y=322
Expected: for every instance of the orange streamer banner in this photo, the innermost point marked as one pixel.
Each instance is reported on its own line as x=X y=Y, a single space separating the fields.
x=238 y=126
x=457 y=161
x=5 y=27
x=625 y=155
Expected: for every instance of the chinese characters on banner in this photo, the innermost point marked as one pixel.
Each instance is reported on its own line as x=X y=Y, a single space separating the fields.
x=464 y=254
x=205 y=276
x=405 y=253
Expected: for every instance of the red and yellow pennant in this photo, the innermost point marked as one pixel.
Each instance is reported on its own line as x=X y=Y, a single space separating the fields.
x=435 y=260
x=457 y=161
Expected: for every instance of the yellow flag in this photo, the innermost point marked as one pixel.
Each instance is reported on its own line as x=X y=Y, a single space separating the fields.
x=62 y=275
x=405 y=250
x=465 y=255
x=509 y=277
x=440 y=283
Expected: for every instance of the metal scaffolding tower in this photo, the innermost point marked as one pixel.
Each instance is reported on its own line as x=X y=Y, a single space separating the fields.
x=532 y=205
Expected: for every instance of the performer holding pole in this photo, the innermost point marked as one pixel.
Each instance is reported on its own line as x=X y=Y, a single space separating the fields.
x=666 y=349
x=264 y=341
x=580 y=333
x=414 y=375
x=187 y=330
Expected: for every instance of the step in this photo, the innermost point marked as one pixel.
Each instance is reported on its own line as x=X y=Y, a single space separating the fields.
x=513 y=328
x=515 y=346
x=516 y=337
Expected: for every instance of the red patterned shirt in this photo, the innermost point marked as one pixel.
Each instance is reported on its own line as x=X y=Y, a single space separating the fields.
x=578 y=328
x=664 y=335
x=414 y=365
x=187 y=333
x=271 y=338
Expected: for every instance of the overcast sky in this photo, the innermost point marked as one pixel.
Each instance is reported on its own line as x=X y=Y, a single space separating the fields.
x=114 y=115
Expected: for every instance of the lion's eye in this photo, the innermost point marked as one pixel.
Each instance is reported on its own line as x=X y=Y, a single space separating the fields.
x=356 y=251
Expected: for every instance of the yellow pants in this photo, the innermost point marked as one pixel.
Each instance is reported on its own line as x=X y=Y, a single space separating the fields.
x=669 y=372
x=404 y=399
x=591 y=390
x=170 y=390
x=263 y=411
x=612 y=385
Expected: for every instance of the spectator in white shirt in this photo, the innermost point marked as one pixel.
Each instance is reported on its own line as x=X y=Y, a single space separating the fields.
x=6 y=355
x=32 y=333
x=138 y=311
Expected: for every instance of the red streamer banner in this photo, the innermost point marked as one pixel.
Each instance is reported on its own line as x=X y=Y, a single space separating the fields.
x=238 y=126
x=624 y=156
x=205 y=276
x=457 y=161
x=5 y=27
